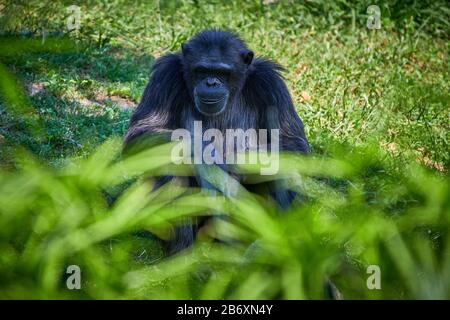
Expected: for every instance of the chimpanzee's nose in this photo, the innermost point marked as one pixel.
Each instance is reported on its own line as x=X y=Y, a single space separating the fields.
x=212 y=82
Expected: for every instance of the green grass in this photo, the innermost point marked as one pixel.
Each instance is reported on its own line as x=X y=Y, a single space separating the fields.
x=375 y=104
x=389 y=85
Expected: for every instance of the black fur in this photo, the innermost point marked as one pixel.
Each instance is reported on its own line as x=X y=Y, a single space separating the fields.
x=259 y=99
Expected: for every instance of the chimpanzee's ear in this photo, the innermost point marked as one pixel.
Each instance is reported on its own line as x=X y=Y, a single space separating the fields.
x=247 y=56
x=185 y=48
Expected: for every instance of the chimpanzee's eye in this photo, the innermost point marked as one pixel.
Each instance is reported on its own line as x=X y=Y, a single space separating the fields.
x=223 y=73
x=201 y=71
x=224 y=77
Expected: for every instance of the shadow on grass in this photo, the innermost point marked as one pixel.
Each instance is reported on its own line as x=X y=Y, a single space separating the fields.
x=68 y=128
x=63 y=90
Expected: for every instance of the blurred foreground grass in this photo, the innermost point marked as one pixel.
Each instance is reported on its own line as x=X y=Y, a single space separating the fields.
x=359 y=211
x=375 y=105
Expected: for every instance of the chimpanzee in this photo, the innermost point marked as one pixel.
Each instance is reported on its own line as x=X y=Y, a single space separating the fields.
x=215 y=79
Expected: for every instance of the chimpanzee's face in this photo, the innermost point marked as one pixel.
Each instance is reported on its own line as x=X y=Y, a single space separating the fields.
x=214 y=73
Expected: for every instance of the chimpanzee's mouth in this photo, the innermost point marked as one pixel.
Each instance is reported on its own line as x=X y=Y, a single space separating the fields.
x=212 y=104
x=211 y=100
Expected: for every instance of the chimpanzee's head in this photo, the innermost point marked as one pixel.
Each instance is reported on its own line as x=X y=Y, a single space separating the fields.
x=215 y=68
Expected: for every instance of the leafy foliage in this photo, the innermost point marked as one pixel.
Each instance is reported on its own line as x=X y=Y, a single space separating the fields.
x=52 y=218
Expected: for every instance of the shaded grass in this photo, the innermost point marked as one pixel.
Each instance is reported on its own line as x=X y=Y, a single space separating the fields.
x=349 y=83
